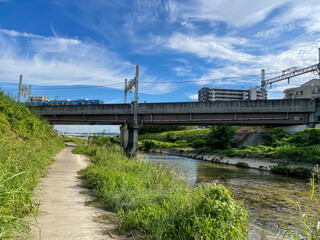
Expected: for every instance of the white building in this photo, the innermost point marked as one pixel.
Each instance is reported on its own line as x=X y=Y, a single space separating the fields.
x=310 y=89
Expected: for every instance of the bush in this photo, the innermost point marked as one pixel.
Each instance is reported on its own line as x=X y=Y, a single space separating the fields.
x=171 y=137
x=306 y=138
x=197 y=144
x=221 y=136
x=149 y=144
x=103 y=140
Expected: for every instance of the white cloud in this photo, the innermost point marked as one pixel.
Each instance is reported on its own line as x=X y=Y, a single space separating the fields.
x=303 y=11
x=183 y=71
x=300 y=55
x=193 y=96
x=13 y=33
x=64 y=61
x=244 y=13
x=275 y=31
x=233 y=12
x=209 y=46
x=230 y=76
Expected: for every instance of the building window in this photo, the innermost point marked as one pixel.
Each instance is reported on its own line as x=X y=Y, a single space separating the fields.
x=299 y=93
x=316 y=90
x=290 y=96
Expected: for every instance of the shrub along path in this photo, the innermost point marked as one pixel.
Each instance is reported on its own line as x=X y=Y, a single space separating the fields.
x=63 y=214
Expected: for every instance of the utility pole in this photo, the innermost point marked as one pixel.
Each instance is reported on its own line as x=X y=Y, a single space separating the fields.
x=133 y=83
x=23 y=90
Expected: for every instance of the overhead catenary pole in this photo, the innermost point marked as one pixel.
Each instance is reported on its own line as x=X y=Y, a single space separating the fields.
x=20 y=87
x=29 y=96
x=136 y=97
x=125 y=92
x=128 y=86
x=23 y=90
x=263 y=83
x=293 y=72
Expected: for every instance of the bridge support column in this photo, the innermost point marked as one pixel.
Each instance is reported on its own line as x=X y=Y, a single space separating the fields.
x=129 y=138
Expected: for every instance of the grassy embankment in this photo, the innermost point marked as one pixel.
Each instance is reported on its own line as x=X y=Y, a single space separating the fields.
x=301 y=147
x=27 y=145
x=154 y=201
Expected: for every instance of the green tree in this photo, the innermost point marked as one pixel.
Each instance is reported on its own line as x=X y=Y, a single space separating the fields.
x=221 y=136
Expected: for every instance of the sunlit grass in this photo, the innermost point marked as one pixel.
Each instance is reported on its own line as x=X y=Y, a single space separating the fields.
x=27 y=145
x=152 y=199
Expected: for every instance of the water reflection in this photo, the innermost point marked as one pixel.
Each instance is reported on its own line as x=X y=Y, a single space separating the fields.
x=260 y=191
x=187 y=167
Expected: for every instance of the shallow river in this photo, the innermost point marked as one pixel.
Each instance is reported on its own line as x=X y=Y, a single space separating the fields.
x=260 y=191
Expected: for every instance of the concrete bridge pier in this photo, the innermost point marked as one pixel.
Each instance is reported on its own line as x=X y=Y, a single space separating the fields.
x=129 y=138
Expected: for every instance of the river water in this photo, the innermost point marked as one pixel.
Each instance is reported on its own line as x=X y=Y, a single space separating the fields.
x=262 y=193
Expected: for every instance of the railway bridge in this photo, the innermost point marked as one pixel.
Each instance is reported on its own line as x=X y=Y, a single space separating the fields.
x=244 y=113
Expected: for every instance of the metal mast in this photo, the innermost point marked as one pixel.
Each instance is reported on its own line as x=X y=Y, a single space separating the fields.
x=23 y=90
x=133 y=83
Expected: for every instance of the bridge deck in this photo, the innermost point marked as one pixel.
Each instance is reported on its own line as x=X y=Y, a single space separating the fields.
x=262 y=112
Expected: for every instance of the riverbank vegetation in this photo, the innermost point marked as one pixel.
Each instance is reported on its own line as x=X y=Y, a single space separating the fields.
x=156 y=202
x=303 y=146
x=190 y=138
x=27 y=145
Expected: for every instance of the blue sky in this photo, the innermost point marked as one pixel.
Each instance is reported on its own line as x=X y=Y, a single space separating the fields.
x=85 y=49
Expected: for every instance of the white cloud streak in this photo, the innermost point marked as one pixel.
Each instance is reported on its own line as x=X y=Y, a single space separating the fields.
x=53 y=61
x=193 y=96
x=245 y=13
x=234 y=12
x=209 y=46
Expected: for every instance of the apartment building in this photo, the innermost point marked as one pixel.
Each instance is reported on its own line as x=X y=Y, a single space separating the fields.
x=310 y=89
x=216 y=94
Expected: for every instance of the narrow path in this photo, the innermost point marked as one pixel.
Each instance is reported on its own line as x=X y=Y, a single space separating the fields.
x=63 y=214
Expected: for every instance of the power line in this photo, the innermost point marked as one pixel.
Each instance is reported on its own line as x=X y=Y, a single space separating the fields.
x=75 y=87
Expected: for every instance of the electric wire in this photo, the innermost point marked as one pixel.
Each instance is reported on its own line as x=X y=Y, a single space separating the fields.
x=69 y=87
x=60 y=88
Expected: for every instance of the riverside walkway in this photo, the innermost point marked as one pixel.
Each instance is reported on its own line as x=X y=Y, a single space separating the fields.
x=63 y=213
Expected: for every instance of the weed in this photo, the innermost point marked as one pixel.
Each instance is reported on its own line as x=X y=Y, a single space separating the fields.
x=27 y=144
x=153 y=199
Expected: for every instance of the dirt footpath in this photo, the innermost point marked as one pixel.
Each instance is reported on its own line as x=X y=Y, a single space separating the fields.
x=63 y=214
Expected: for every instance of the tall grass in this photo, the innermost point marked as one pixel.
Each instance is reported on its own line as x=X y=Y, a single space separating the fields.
x=27 y=145
x=154 y=201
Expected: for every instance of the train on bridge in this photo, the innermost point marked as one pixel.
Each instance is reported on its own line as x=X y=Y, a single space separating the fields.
x=46 y=101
